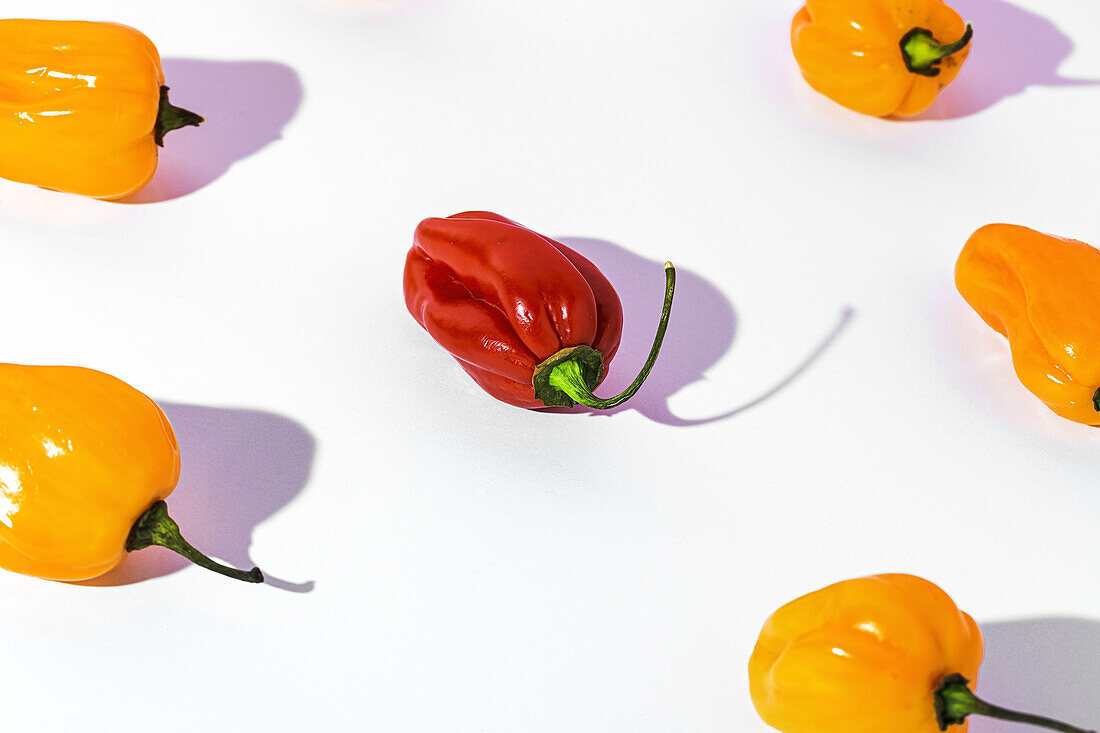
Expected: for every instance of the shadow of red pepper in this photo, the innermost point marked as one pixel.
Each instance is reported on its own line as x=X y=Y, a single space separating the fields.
x=240 y=467
x=701 y=330
x=245 y=104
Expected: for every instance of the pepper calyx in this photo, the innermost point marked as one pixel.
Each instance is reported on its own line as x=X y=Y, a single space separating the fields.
x=582 y=366
x=922 y=53
x=569 y=376
x=170 y=117
x=1096 y=400
x=155 y=527
x=953 y=702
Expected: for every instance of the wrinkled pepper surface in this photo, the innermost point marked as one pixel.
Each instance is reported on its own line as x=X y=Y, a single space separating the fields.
x=880 y=57
x=83 y=106
x=1043 y=294
x=876 y=654
x=86 y=462
x=534 y=323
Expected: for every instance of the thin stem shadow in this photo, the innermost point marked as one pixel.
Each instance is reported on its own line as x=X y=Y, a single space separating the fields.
x=842 y=323
x=662 y=413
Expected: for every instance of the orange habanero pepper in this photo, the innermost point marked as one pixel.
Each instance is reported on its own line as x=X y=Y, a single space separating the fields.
x=86 y=462
x=83 y=106
x=884 y=653
x=880 y=57
x=1043 y=294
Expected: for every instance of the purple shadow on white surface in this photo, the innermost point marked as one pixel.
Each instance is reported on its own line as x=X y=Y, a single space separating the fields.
x=246 y=105
x=240 y=467
x=1043 y=666
x=701 y=330
x=1012 y=50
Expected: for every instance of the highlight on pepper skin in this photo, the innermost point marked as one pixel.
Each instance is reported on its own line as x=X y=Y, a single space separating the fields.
x=85 y=106
x=880 y=57
x=85 y=466
x=533 y=322
x=1042 y=293
x=882 y=653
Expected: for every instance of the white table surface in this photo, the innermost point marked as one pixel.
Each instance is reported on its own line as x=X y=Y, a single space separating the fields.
x=826 y=405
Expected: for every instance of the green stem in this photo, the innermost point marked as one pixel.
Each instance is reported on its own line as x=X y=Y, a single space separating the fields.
x=954 y=702
x=569 y=376
x=1096 y=400
x=170 y=118
x=155 y=527
x=923 y=53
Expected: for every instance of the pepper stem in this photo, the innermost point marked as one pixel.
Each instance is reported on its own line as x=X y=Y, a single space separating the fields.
x=1096 y=400
x=954 y=702
x=155 y=527
x=923 y=53
x=170 y=117
x=568 y=377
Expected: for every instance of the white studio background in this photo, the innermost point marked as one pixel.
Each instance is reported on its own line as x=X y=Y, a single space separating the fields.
x=826 y=405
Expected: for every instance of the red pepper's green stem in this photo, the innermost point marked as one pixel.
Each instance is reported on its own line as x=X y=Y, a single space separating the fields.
x=171 y=118
x=155 y=527
x=568 y=377
x=923 y=53
x=954 y=702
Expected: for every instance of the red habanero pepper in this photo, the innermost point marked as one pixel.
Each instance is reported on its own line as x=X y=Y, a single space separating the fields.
x=531 y=321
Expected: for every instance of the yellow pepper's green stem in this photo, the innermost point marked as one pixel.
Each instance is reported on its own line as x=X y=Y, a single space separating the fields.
x=954 y=702
x=568 y=377
x=170 y=117
x=155 y=527
x=923 y=53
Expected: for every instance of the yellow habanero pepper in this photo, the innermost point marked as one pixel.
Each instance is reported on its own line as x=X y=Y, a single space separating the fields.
x=880 y=57
x=887 y=653
x=1043 y=294
x=86 y=462
x=83 y=106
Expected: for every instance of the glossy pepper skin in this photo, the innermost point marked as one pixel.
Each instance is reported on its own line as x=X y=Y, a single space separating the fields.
x=86 y=462
x=870 y=655
x=1043 y=294
x=83 y=106
x=516 y=309
x=880 y=57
